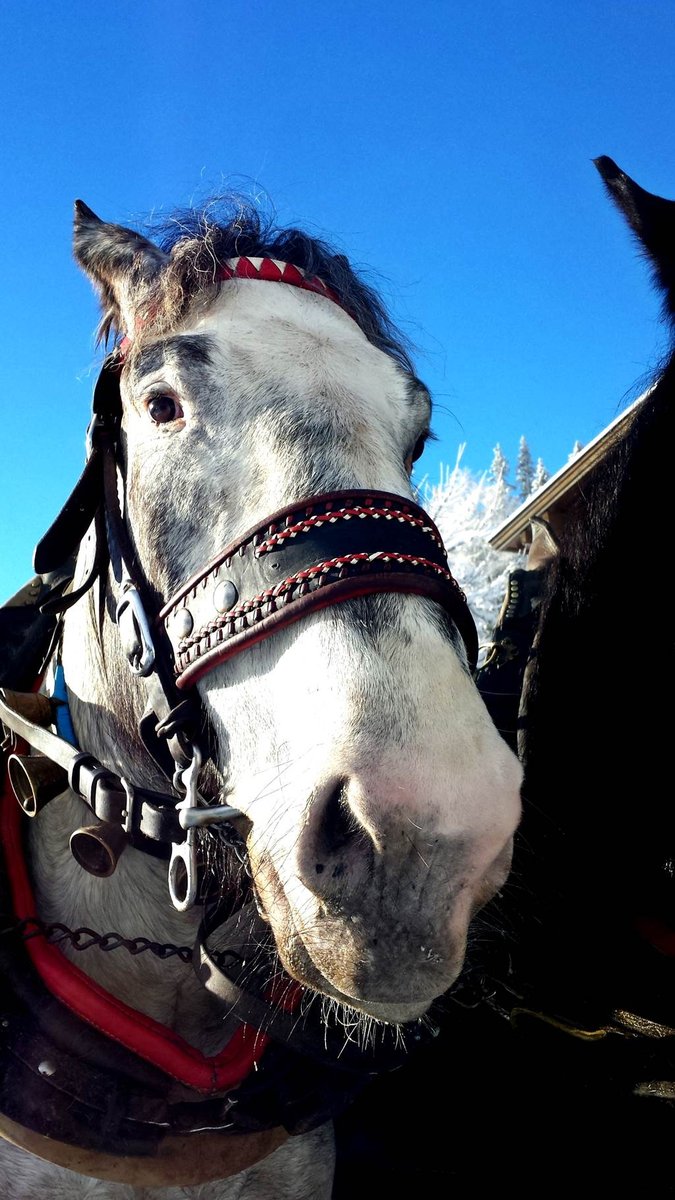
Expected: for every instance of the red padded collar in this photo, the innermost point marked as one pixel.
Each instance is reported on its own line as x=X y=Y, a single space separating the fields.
x=146 y=1037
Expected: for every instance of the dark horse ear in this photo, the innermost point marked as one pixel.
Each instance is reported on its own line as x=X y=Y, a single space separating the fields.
x=121 y=263
x=652 y=220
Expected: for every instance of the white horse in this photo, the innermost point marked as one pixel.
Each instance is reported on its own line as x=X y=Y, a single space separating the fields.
x=339 y=731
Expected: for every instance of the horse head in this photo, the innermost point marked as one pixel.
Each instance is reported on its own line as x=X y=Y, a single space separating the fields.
x=376 y=798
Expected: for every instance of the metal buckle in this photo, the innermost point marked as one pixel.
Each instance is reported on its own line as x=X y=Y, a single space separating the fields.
x=130 y=815
x=183 y=864
x=192 y=815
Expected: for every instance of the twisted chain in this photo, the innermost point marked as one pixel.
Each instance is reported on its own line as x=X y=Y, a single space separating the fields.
x=84 y=939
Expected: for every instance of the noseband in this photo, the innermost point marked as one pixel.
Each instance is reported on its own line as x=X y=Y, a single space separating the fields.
x=309 y=556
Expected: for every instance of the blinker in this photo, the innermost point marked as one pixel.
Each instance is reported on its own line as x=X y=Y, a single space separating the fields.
x=68 y=530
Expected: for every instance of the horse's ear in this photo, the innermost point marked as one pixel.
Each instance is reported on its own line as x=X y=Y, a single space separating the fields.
x=121 y=263
x=652 y=220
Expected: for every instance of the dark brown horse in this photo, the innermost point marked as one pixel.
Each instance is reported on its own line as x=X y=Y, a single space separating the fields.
x=557 y=1055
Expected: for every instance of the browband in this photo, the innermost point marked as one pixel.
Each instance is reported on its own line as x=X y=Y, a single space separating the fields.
x=275 y=271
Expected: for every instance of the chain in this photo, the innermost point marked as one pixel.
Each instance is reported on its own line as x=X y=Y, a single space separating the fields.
x=84 y=939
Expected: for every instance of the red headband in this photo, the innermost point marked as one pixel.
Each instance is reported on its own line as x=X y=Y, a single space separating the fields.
x=271 y=270
x=276 y=271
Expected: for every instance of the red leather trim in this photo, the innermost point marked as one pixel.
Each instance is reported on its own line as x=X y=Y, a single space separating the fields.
x=324 y=597
x=306 y=506
x=146 y=1037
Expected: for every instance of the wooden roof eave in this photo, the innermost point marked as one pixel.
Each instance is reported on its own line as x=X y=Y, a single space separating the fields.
x=510 y=534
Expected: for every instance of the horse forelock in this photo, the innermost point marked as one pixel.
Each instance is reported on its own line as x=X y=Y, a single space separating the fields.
x=197 y=244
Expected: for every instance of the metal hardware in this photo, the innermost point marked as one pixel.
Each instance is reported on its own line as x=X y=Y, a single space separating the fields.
x=190 y=818
x=84 y=938
x=135 y=631
x=35 y=780
x=130 y=816
x=183 y=864
x=98 y=848
x=225 y=596
x=183 y=622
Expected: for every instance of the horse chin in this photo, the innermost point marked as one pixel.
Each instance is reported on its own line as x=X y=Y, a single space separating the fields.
x=387 y=1014
x=494 y=879
x=338 y=971
x=298 y=963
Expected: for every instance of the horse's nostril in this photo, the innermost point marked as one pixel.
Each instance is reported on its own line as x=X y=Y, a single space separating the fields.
x=337 y=826
x=333 y=840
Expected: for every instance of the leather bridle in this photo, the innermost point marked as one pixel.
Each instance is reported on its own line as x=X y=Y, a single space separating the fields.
x=315 y=553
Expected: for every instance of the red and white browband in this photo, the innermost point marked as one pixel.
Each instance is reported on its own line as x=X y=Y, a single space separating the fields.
x=275 y=271
x=271 y=270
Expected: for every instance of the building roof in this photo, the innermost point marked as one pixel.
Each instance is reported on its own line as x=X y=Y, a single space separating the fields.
x=513 y=533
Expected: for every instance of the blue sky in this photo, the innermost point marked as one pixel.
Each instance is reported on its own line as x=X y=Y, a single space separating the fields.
x=446 y=148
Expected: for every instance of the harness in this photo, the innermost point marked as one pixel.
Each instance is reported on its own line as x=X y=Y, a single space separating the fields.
x=79 y=1069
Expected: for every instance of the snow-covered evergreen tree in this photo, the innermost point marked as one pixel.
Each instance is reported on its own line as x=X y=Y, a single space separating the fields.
x=540 y=477
x=524 y=470
x=499 y=467
x=467 y=508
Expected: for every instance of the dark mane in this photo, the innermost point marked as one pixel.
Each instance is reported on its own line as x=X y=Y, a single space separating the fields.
x=198 y=241
x=598 y=723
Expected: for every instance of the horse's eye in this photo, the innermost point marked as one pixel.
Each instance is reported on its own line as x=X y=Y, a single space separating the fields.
x=416 y=452
x=164 y=409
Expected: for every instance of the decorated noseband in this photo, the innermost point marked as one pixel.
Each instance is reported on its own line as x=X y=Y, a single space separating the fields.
x=308 y=556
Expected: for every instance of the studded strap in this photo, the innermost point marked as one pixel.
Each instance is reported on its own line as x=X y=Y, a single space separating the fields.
x=313 y=554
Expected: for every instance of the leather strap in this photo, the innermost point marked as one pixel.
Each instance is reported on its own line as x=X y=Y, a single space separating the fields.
x=149 y=818
x=318 y=552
